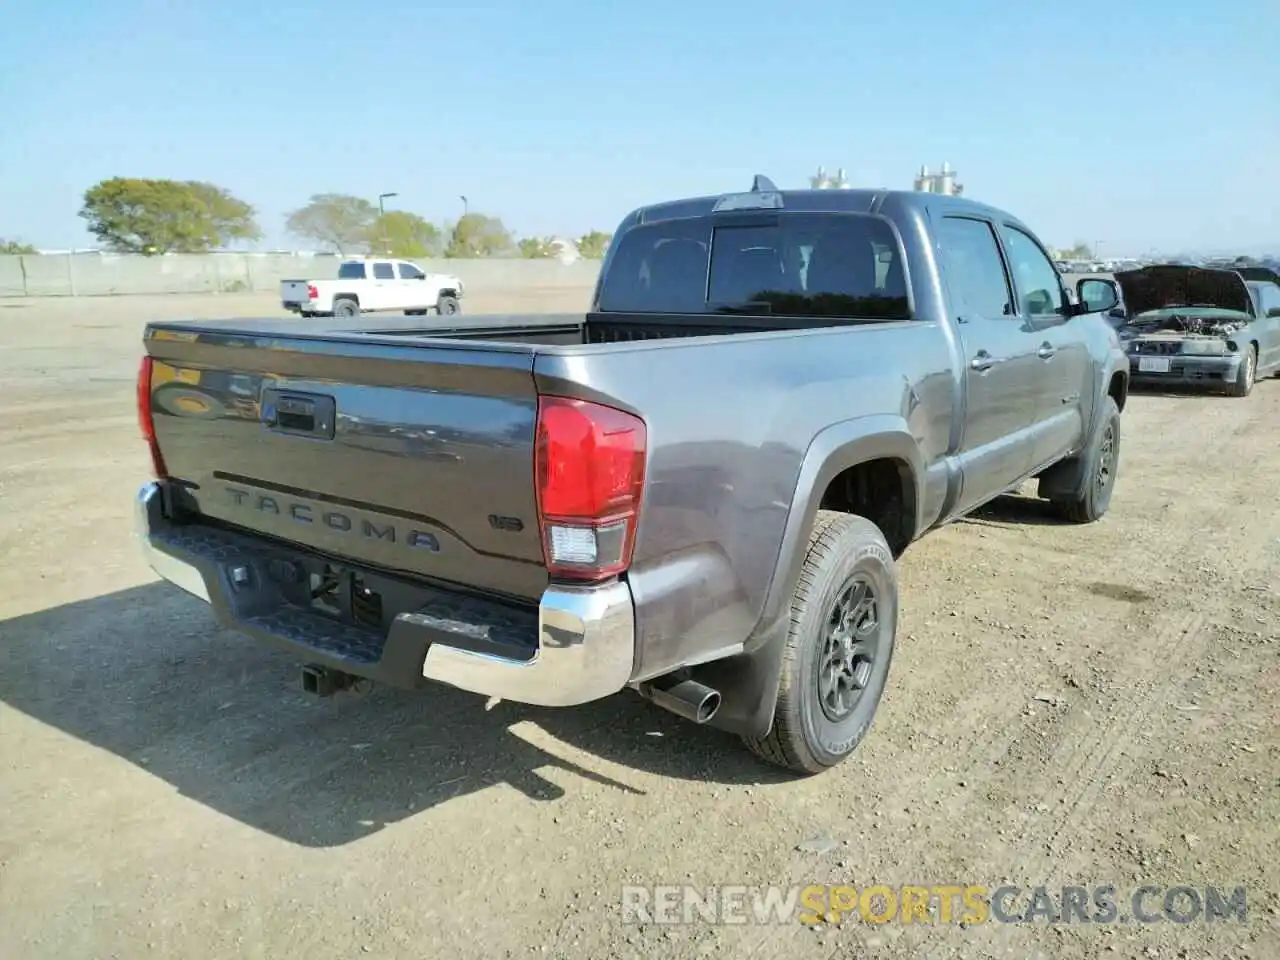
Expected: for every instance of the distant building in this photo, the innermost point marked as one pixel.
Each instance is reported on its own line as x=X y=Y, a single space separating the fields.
x=943 y=182
x=822 y=181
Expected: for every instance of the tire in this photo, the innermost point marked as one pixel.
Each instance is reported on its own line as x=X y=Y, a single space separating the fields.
x=1102 y=461
x=846 y=554
x=1246 y=374
x=447 y=306
x=345 y=307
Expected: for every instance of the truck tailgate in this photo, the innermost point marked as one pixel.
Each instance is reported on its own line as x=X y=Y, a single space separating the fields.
x=294 y=291
x=410 y=457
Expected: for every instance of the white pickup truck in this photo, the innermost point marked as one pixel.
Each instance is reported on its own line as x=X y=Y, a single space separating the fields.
x=368 y=286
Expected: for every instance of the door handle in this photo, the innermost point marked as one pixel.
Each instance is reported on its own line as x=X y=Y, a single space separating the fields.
x=984 y=361
x=1046 y=351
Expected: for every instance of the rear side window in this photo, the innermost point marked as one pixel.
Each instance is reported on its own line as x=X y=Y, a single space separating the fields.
x=975 y=271
x=351 y=271
x=383 y=271
x=827 y=265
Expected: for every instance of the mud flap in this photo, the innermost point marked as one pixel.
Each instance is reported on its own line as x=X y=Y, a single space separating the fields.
x=1067 y=479
x=1064 y=480
x=748 y=686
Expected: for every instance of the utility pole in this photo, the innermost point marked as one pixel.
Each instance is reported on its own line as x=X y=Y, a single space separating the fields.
x=381 y=213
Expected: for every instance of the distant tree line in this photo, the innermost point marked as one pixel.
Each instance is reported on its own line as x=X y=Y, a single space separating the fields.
x=1081 y=251
x=133 y=215
x=149 y=217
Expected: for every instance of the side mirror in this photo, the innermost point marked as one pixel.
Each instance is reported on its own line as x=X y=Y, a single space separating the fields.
x=1094 y=295
x=1274 y=312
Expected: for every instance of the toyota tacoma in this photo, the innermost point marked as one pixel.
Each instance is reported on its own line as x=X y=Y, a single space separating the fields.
x=698 y=490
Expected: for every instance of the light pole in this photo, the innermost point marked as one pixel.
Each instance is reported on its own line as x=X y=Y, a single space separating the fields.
x=464 y=204
x=381 y=213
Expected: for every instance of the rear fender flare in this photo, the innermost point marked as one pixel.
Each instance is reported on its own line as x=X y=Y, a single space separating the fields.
x=748 y=682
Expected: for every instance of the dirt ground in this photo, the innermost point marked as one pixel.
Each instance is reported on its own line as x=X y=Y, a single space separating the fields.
x=1068 y=705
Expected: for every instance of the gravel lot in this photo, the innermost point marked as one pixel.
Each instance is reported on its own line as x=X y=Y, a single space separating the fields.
x=1068 y=705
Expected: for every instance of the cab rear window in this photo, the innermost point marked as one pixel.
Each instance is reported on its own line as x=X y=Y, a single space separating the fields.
x=828 y=265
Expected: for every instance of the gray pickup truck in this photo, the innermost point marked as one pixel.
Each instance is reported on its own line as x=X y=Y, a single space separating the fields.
x=697 y=490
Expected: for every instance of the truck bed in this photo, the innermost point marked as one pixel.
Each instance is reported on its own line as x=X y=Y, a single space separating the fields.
x=540 y=329
x=406 y=446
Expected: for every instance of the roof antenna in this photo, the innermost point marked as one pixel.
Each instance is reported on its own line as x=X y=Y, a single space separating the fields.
x=762 y=184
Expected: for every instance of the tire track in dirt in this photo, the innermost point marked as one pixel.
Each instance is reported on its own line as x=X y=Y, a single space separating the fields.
x=1171 y=631
x=1094 y=762
x=1086 y=759
x=1174 y=638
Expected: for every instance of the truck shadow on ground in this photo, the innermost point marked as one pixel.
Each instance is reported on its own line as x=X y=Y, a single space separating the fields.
x=145 y=674
x=1013 y=510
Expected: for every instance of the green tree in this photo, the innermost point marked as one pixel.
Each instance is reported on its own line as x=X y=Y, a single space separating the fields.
x=13 y=247
x=336 y=220
x=1081 y=251
x=133 y=215
x=475 y=235
x=537 y=248
x=399 y=233
x=592 y=245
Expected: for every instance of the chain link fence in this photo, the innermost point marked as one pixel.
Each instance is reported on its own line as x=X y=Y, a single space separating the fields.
x=93 y=274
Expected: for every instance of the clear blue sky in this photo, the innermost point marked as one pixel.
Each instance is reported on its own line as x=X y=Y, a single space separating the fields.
x=1138 y=123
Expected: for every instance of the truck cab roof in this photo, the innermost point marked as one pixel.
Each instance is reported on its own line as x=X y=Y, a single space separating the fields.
x=813 y=201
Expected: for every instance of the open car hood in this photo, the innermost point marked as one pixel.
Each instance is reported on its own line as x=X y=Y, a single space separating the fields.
x=1167 y=285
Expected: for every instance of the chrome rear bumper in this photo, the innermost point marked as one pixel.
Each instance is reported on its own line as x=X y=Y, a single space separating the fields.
x=578 y=646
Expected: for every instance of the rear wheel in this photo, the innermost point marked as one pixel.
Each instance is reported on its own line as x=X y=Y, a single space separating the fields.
x=447 y=306
x=346 y=308
x=843 y=619
x=1246 y=373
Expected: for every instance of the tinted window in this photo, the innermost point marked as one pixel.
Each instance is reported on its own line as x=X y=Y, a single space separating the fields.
x=1270 y=296
x=787 y=265
x=383 y=271
x=409 y=272
x=351 y=271
x=975 y=272
x=1038 y=284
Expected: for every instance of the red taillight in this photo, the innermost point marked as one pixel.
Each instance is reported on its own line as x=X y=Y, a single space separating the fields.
x=589 y=463
x=145 y=420
x=312 y=292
